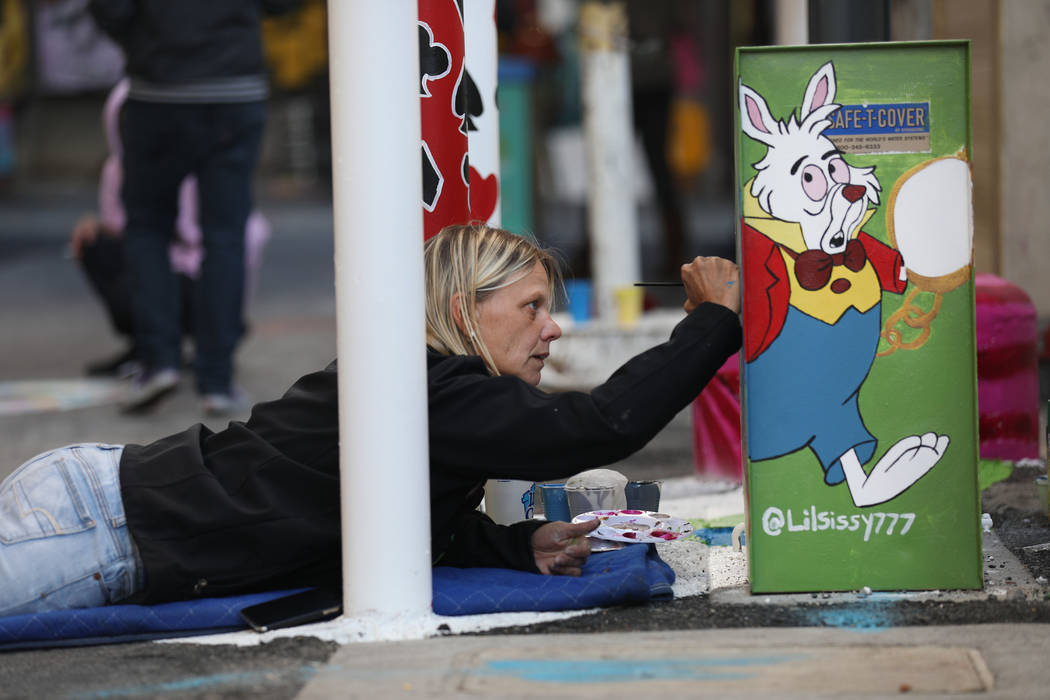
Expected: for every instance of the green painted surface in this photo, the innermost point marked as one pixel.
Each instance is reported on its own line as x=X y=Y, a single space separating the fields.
x=928 y=537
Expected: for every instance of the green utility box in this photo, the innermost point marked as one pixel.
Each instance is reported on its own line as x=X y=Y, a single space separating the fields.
x=860 y=384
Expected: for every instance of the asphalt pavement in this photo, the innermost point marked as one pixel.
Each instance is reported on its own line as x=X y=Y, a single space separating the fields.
x=990 y=643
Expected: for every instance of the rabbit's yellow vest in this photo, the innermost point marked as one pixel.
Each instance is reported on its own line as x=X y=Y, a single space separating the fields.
x=864 y=291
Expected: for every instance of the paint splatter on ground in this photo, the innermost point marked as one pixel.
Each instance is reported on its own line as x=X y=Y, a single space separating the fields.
x=46 y=395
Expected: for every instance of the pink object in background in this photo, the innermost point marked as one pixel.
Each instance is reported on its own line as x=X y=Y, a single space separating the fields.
x=716 y=425
x=1007 y=370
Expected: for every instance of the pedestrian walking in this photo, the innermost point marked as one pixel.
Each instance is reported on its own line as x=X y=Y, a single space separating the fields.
x=97 y=244
x=196 y=106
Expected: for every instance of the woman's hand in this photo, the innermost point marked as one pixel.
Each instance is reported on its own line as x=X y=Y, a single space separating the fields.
x=561 y=548
x=711 y=279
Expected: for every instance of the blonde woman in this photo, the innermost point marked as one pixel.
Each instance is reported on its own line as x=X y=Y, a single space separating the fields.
x=256 y=506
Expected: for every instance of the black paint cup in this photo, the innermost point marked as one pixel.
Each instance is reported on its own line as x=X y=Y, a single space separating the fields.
x=643 y=495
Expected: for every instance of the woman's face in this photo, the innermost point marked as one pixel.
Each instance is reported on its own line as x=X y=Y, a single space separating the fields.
x=516 y=325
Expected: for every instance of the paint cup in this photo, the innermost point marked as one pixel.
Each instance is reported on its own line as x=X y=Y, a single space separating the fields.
x=583 y=500
x=643 y=495
x=509 y=500
x=579 y=296
x=555 y=502
x=628 y=305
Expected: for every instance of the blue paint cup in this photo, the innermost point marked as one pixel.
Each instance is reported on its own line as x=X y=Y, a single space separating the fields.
x=642 y=495
x=555 y=503
x=579 y=293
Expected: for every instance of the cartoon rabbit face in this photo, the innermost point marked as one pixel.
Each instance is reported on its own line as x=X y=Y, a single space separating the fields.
x=803 y=177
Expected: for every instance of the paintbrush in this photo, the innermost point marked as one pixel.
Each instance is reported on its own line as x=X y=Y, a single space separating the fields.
x=668 y=284
x=657 y=284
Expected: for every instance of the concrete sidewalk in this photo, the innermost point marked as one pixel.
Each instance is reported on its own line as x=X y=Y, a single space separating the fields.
x=997 y=661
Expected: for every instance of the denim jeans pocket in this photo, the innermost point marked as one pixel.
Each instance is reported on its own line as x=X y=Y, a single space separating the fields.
x=101 y=476
x=41 y=501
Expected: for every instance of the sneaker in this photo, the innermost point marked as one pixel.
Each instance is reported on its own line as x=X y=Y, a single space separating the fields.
x=150 y=388
x=123 y=365
x=218 y=404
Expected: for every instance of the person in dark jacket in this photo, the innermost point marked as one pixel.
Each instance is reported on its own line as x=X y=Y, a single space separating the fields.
x=256 y=506
x=196 y=106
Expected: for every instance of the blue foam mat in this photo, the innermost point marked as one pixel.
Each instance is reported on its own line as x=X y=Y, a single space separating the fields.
x=632 y=575
x=126 y=623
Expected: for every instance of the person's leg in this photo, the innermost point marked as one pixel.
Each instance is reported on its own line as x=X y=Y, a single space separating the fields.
x=64 y=541
x=224 y=177
x=155 y=161
x=187 y=304
x=102 y=262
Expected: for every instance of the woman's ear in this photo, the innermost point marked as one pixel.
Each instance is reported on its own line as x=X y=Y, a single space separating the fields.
x=457 y=313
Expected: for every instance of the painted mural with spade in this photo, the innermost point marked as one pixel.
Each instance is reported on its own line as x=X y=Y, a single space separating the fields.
x=444 y=147
x=452 y=108
x=859 y=374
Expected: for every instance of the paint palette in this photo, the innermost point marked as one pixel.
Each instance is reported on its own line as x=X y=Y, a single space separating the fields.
x=636 y=526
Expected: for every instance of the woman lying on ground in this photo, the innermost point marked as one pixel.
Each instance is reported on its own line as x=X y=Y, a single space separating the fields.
x=255 y=507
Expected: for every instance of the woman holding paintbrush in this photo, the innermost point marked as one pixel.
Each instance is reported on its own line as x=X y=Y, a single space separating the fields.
x=255 y=506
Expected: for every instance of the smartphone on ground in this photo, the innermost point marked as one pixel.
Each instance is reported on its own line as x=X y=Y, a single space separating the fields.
x=314 y=605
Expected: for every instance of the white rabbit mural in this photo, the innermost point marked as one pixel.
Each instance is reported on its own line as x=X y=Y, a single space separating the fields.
x=813 y=286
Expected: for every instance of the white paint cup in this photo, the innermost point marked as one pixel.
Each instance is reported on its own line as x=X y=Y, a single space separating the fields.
x=584 y=500
x=509 y=500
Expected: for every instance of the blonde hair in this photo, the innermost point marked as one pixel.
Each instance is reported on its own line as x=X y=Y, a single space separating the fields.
x=474 y=260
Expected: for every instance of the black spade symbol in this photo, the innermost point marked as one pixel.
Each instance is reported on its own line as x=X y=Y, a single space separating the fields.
x=468 y=102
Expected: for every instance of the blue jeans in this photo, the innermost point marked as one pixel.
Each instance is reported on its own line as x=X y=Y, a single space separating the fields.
x=64 y=542
x=164 y=143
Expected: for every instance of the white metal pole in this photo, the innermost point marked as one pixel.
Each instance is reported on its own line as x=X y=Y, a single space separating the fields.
x=377 y=190
x=791 y=22
x=609 y=139
x=481 y=57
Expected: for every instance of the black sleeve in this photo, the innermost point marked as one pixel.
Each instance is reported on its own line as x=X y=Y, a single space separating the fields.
x=501 y=427
x=479 y=542
x=114 y=17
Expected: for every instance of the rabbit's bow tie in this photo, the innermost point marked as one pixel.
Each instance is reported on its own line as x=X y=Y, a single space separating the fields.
x=813 y=267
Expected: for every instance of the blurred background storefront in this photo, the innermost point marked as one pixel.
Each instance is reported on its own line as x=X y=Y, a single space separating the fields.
x=56 y=69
